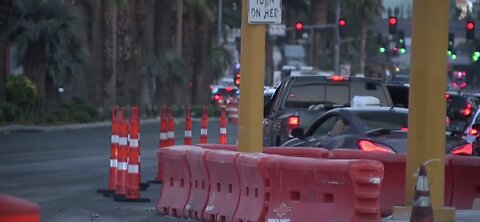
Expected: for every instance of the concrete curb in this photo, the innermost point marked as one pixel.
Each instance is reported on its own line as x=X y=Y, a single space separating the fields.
x=32 y=128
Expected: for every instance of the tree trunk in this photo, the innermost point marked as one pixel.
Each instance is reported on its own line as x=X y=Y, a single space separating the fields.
x=319 y=11
x=35 y=70
x=363 y=43
x=146 y=37
x=201 y=62
x=110 y=57
x=5 y=7
x=188 y=50
x=291 y=20
x=97 y=49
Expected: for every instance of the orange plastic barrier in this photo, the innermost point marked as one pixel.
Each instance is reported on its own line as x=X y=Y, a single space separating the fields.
x=14 y=209
x=298 y=151
x=200 y=187
x=212 y=146
x=252 y=203
x=393 y=185
x=306 y=189
x=176 y=180
x=224 y=186
x=465 y=180
x=222 y=137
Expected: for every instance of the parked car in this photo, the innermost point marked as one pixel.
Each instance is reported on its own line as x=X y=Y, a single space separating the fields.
x=371 y=129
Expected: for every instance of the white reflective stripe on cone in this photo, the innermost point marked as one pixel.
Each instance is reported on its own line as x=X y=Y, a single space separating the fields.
x=122 y=165
x=163 y=136
x=113 y=162
x=223 y=130
x=134 y=143
x=122 y=141
x=188 y=133
x=114 y=139
x=423 y=202
x=133 y=169
x=422 y=184
x=203 y=131
x=170 y=134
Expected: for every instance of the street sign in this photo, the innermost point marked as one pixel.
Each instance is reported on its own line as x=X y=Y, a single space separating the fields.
x=264 y=11
x=345 y=69
x=276 y=30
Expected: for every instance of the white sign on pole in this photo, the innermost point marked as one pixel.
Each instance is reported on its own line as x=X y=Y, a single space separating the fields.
x=276 y=30
x=264 y=11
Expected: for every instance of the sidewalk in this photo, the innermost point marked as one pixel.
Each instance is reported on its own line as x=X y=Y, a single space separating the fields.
x=460 y=216
x=46 y=128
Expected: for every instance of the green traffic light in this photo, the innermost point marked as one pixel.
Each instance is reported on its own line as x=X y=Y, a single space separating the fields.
x=381 y=49
x=454 y=57
x=449 y=52
x=476 y=54
x=403 y=50
x=401 y=40
x=474 y=58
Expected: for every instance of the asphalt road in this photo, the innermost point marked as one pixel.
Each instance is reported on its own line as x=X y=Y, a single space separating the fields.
x=61 y=170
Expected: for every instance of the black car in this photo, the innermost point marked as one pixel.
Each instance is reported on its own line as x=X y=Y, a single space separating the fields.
x=371 y=129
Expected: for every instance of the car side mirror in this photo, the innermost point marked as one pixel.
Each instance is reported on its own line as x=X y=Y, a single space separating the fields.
x=298 y=132
x=476 y=126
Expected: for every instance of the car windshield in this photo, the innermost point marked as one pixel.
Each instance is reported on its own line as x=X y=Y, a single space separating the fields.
x=384 y=120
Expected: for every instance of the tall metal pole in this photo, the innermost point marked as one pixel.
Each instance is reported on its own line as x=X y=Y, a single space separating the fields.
x=250 y=126
x=336 y=51
x=219 y=25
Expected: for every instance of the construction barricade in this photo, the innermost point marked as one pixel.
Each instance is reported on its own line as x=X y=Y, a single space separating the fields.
x=112 y=175
x=298 y=152
x=306 y=189
x=224 y=186
x=200 y=187
x=252 y=205
x=176 y=180
x=465 y=180
x=14 y=209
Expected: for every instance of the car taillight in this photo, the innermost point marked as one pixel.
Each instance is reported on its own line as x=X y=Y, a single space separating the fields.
x=217 y=97
x=293 y=121
x=466 y=149
x=466 y=111
x=469 y=106
x=369 y=146
x=473 y=132
x=404 y=129
x=336 y=78
x=447 y=95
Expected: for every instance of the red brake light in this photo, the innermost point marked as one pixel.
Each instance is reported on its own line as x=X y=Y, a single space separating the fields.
x=228 y=89
x=369 y=146
x=455 y=85
x=337 y=78
x=404 y=129
x=466 y=112
x=473 y=132
x=466 y=149
x=447 y=95
x=293 y=121
x=217 y=97
x=469 y=106
x=463 y=85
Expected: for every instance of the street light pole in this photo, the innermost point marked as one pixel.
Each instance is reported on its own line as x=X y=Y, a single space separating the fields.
x=336 y=51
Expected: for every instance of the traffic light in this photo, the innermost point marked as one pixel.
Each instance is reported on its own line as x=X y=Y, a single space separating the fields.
x=381 y=44
x=470 y=27
x=236 y=79
x=299 y=30
x=392 y=25
x=476 y=54
x=451 y=43
x=401 y=42
x=341 y=27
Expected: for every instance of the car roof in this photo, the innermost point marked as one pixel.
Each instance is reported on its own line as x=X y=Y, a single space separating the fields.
x=322 y=77
x=371 y=109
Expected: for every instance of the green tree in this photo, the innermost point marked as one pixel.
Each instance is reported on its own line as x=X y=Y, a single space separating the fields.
x=5 y=7
x=367 y=11
x=46 y=36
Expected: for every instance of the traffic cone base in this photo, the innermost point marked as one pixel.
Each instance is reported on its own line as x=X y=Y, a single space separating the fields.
x=422 y=210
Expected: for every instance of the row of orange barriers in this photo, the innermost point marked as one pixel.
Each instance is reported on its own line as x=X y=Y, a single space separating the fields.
x=14 y=209
x=212 y=182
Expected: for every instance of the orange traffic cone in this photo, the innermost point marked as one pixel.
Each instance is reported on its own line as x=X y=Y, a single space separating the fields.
x=188 y=127
x=122 y=153
x=163 y=129
x=204 y=127
x=222 y=138
x=133 y=172
x=171 y=128
x=112 y=179
x=422 y=210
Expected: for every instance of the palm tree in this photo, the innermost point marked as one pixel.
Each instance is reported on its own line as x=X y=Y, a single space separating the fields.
x=5 y=7
x=367 y=11
x=46 y=36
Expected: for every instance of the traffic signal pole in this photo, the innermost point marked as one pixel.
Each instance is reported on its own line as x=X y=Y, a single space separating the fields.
x=252 y=63
x=336 y=51
x=426 y=116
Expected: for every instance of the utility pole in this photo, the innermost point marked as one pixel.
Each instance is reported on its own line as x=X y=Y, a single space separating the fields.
x=336 y=51
x=219 y=25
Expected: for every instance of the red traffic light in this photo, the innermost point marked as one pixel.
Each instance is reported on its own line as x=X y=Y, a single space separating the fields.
x=342 y=22
x=298 y=26
x=392 y=20
x=470 y=25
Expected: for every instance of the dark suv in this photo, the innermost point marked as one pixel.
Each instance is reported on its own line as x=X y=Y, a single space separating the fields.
x=299 y=100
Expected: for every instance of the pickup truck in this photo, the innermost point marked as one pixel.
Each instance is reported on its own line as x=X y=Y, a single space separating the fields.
x=299 y=100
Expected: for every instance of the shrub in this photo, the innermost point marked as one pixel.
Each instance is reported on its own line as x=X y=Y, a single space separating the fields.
x=8 y=112
x=21 y=92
